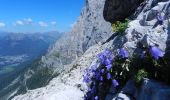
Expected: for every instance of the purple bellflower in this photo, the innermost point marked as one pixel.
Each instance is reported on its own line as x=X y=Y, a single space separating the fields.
x=109 y=76
x=97 y=75
x=109 y=67
x=101 y=57
x=96 y=98
x=160 y=18
x=101 y=78
x=123 y=53
x=86 y=79
x=156 y=52
x=102 y=71
x=106 y=57
x=115 y=83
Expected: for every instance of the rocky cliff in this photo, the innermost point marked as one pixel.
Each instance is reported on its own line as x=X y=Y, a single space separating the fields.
x=82 y=44
x=88 y=30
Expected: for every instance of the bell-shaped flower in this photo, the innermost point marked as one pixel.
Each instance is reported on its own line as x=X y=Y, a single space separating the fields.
x=102 y=71
x=106 y=57
x=109 y=67
x=101 y=78
x=107 y=53
x=97 y=75
x=159 y=17
x=96 y=98
x=107 y=62
x=115 y=83
x=109 y=76
x=86 y=79
x=101 y=57
x=123 y=53
x=93 y=90
x=156 y=52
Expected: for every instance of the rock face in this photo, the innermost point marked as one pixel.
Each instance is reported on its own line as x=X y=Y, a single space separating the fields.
x=69 y=84
x=89 y=30
x=118 y=10
x=144 y=29
x=152 y=90
x=149 y=90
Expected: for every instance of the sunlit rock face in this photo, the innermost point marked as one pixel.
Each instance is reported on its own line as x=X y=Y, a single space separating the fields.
x=89 y=29
x=115 y=10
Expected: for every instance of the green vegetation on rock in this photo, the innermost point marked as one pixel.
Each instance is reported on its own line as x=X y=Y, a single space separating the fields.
x=140 y=75
x=119 y=26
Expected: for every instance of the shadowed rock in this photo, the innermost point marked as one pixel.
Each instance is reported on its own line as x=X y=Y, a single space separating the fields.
x=115 y=10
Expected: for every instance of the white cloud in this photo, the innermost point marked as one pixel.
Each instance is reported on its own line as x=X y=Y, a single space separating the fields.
x=43 y=24
x=53 y=22
x=27 y=21
x=2 y=24
x=19 y=22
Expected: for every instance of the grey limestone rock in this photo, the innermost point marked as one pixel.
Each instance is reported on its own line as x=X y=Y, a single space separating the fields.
x=149 y=90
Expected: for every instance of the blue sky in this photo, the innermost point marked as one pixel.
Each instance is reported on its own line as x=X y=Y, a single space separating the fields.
x=38 y=15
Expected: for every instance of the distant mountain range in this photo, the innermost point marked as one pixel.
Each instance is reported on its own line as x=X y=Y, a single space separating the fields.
x=17 y=52
x=15 y=47
x=18 y=43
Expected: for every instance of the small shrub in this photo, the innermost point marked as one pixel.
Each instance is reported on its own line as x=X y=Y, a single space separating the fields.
x=120 y=26
x=139 y=76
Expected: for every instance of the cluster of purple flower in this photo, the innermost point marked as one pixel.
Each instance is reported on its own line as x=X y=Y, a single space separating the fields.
x=123 y=53
x=106 y=57
x=101 y=73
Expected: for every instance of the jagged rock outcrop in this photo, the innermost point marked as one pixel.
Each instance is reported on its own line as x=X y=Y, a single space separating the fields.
x=118 y=10
x=88 y=30
x=143 y=29
x=68 y=85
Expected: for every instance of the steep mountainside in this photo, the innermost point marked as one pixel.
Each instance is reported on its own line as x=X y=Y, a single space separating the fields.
x=87 y=33
x=17 y=52
x=89 y=29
